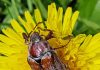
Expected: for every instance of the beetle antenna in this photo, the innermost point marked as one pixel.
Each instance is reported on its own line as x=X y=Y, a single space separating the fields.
x=37 y=25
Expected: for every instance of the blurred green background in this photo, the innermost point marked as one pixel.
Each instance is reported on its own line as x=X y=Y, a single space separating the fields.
x=88 y=21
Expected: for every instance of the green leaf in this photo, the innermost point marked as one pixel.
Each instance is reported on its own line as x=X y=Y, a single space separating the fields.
x=86 y=7
x=90 y=24
x=7 y=19
x=4 y=25
x=41 y=7
x=62 y=3
x=96 y=14
x=86 y=26
x=6 y=1
x=14 y=9
x=29 y=3
x=86 y=23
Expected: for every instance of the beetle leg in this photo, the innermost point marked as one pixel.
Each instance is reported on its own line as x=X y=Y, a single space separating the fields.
x=61 y=46
x=25 y=36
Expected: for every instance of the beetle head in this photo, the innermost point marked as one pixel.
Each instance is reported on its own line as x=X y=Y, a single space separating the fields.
x=35 y=37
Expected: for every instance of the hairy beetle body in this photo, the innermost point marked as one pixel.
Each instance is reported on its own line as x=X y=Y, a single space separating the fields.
x=41 y=56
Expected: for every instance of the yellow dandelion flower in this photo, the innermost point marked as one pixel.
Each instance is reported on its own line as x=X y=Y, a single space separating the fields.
x=54 y=20
x=81 y=52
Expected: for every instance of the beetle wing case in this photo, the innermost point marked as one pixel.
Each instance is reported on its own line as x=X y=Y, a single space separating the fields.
x=41 y=56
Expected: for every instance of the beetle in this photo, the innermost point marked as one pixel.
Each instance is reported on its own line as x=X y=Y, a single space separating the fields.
x=41 y=56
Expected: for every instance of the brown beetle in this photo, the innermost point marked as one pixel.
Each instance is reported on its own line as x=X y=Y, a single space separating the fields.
x=40 y=55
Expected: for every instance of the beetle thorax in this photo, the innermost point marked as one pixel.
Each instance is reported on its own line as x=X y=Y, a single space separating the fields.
x=37 y=49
